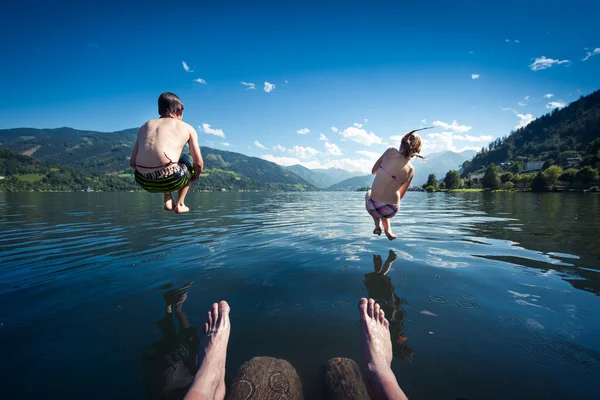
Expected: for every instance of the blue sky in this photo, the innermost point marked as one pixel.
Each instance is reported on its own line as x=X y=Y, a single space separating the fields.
x=334 y=83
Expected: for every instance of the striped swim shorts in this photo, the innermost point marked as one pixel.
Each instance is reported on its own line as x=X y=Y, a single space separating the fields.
x=168 y=179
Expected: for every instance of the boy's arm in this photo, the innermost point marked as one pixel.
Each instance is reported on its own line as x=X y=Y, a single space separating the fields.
x=196 y=155
x=406 y=184
x=132 y=159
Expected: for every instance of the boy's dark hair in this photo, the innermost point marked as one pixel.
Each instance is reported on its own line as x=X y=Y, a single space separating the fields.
x=169 y=103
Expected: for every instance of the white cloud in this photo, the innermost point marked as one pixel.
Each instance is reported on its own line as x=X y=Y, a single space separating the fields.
x=512 y=41
x=225 y=144
x=370 y=154
x=527 y=97
x=366 y=120
x=589 y=54
x=458 y=137
x=522 y=104
x=526 y=119
x=303 y=152
x=443 y=141
x=303 y=131
x=217 y=132
x=285 y=161
x=258 y=144
x=481 y=138
x=548 y=95
x=249 y=85
x=556 y=104
x=333 y=149
x=423 y=121
x=269 y=87
x=186 y=67
x=472 y=52
x=334 y=129
x=200 y=80
x=361 y=136
x=279 y=147
x=322 y=137
x=356 y=124
x=542 y=62
x=454 y=126
x=475 y=76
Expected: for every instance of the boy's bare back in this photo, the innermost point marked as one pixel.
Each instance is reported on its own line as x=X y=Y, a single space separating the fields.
x=161 y=140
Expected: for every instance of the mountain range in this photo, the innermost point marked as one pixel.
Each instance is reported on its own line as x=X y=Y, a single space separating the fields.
x=107 y=153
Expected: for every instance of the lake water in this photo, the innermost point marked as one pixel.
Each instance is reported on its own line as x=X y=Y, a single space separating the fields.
x=511 y=278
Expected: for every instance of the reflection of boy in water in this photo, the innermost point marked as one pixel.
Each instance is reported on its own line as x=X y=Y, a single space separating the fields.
x=381 y=289
x=173 y=360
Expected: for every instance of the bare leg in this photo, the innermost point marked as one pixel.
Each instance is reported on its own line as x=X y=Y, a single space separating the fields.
x=377 y=352
x=180 y=207
x=209 y=382
x=388 y=229
x=377 y=230
x=168 y=201
x=388 y=263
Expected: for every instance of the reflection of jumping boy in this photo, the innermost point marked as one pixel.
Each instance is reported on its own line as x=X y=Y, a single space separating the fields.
x=391 y=182
x=159 y=142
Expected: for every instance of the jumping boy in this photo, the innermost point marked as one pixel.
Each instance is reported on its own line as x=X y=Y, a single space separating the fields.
x=159 y=142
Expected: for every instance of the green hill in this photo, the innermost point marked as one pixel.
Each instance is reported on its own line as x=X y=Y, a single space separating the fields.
x=107 y=153
x=560 y=137
x=24 y=173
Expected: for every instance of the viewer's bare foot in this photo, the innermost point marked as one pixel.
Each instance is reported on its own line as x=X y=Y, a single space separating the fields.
x=377 y=352
x=181 y=208
x=209 y=382
x=377 y=231
x=390 y=235
x=168 y=202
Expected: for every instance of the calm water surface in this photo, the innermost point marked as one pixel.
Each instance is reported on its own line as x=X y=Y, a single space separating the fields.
x=512 y=281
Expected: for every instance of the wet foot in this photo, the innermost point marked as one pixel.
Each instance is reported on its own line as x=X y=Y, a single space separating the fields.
x=181 y=208
x=377 y=352
x=390 y=235
x=168 y=202
x=209 y=382
x=377 y=231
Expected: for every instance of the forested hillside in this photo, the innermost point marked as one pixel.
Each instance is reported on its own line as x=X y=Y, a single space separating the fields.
x=554 y=138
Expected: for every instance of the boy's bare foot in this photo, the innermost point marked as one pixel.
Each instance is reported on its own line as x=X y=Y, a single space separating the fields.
x=168 y=202
x=390 y=235
x=209 y=382
x=377 y=352
x=181 y=208
x=377 y=231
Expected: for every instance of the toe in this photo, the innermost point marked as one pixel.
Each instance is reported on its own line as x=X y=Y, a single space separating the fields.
x=224 y=307
x=376 y=310
x=381 y=316
x=209 y=319
x=362 y=307
x=206 y=326
x=215 y=313
x=370 y=307
x=386 y=324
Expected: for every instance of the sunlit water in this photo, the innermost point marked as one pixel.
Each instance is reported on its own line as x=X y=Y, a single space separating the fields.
x=492 y=296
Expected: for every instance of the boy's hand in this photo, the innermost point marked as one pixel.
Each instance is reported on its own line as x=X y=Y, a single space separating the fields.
x=197 y=171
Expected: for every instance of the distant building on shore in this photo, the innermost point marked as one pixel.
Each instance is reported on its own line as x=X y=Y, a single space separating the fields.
x=532 y=166
x=476 y=178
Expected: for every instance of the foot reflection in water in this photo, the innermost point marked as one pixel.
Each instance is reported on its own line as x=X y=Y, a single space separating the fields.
x=171 y=363
x=380 y=288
